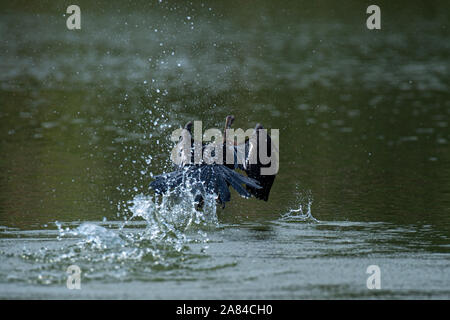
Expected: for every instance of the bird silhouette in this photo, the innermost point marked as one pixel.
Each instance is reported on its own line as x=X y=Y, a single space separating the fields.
x=206 y=177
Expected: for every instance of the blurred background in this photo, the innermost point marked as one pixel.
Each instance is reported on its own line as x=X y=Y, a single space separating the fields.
x=86 y=115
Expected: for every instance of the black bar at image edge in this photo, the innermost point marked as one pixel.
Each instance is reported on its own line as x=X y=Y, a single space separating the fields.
x=220 y=309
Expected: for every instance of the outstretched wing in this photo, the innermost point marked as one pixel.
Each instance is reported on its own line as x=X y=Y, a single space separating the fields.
x=167 y=181
x=253 y=166
x=206 y=178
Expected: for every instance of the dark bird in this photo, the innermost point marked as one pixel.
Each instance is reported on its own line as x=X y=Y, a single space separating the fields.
x=203 y=178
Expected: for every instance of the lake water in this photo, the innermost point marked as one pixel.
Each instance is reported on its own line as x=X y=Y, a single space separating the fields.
x=86 y=117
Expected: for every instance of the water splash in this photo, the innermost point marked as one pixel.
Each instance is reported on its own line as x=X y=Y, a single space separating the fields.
x=93 y=235
x=164 y=234
x=170 y=222
x=171 y=217
x=175 y=211
x=303 y=212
